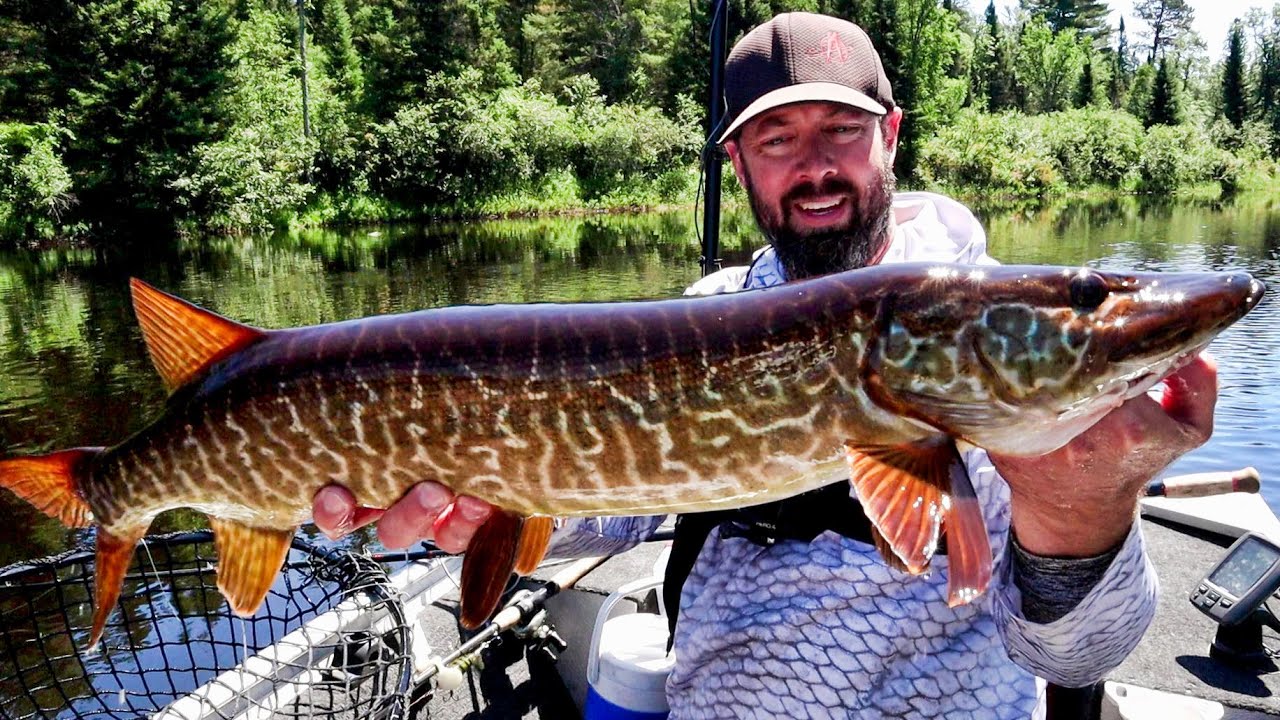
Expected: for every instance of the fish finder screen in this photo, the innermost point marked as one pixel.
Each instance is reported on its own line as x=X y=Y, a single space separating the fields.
x=1245 y=567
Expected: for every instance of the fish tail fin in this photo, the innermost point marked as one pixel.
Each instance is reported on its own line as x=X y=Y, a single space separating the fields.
x=487 y=566
x=53 y=483
x=114 y=551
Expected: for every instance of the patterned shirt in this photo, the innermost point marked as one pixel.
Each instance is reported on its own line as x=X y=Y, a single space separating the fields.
x=825 y=629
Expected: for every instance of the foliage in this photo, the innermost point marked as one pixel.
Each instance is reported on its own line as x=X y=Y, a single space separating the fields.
x=1049 y=65
x=1234 y=106
x=35 y=186
x=1165 y=107
x=1177 y=155
x=1168 y=19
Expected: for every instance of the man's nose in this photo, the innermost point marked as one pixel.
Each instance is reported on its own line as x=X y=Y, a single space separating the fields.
x=817 y=162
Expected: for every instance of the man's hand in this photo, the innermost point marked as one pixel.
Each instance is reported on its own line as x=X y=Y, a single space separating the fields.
x=1081 y=500
x=428 y=511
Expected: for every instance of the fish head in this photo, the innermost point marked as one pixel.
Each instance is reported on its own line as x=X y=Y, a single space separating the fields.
x=1022 y=359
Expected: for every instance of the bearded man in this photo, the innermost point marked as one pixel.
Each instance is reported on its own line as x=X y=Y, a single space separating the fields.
x=786 y=609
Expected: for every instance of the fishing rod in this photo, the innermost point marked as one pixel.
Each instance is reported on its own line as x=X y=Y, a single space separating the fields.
x=712 y=159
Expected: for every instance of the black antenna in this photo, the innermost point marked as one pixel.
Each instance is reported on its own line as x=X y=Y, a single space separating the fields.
x=711 y=156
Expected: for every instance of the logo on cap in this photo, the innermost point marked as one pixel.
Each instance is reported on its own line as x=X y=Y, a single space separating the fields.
x=832 y=49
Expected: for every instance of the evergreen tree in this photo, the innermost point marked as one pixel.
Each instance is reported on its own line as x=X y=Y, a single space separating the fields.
x=1267 y=93
x=1167 y=19
x=1088 y=17
x=331 y=25
x=1084 y=90
x=1000 y=91
x=1164 y=108
x=1234 y=103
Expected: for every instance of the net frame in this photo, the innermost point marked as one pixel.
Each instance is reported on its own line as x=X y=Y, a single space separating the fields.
x=330 y=641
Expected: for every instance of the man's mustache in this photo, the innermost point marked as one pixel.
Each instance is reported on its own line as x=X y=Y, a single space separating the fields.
x=805 y=190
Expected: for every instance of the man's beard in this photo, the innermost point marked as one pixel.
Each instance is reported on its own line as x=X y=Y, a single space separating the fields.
x=855 y=245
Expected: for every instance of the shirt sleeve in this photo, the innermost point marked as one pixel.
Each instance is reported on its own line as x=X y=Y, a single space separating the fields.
x=585 y=537
x=1081 y=647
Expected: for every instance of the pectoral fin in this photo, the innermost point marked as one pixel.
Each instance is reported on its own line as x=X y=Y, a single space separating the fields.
x=114 y=551
x=534 y=538
x=968 y=546
x=249 y=559
x=903 y=490
x=914 y=492
x=487 y=566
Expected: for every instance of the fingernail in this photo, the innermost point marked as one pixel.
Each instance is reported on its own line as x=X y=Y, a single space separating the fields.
x=332 y=502
x=473 y=509
x=432 y=497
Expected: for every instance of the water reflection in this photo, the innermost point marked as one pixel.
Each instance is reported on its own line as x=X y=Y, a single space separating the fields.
x=74 y=371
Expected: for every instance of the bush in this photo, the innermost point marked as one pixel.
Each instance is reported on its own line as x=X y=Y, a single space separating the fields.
x=35 y=186
x=1003 y=152
x=1093 y=146
x=1176 y=155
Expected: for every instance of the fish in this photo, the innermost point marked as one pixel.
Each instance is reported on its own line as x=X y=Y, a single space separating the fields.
x=546 y=410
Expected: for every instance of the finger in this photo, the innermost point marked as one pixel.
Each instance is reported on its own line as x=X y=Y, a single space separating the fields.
x=410 y=518
x=455 y=527
x=333 y=508
x=1191 y=393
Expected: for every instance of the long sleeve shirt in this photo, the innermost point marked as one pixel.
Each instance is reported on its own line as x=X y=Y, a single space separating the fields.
x=827 y=629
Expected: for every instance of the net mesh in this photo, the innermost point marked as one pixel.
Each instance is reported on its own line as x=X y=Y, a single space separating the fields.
x=329 y=641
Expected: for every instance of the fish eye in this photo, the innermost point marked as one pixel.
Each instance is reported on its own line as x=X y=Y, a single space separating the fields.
x=1088 y=290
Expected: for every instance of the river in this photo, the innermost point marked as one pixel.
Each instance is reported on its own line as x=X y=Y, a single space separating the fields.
x=74 y=371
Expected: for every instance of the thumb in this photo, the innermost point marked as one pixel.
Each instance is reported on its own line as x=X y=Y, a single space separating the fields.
x=1191 y=393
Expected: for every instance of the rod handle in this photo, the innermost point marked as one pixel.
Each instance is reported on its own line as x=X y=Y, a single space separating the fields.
x=1206 y=484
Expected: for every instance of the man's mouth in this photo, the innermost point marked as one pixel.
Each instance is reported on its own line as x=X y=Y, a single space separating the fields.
x=821 y=207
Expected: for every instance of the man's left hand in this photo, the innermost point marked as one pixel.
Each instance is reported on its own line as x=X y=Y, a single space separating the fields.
x=1081 y=499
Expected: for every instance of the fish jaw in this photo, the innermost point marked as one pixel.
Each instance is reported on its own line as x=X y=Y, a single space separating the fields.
x=1023 y=359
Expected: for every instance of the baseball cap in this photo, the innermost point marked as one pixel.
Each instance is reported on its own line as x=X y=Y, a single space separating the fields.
x=801 y=57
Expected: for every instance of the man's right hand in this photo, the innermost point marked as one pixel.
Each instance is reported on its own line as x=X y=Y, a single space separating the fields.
x=429 y=511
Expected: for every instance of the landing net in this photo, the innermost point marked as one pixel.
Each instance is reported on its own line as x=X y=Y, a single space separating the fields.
x=330 y=641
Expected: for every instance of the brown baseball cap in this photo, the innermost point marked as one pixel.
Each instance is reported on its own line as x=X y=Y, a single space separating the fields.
x=801 y=57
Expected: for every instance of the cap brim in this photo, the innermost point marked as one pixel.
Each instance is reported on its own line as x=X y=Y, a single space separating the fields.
x=804 y=92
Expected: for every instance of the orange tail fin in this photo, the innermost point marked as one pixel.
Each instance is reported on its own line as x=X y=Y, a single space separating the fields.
x=52 y=483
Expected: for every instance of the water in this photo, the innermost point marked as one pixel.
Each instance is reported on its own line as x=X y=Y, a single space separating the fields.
x=74 y=371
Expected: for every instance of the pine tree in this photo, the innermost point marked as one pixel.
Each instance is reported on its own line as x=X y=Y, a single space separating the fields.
x=1084 y=90
x=1267 y=93
x=1164 y=108
x=1089 y=17
x=1234 y=103
x=1000 y=95
x=1167 y=19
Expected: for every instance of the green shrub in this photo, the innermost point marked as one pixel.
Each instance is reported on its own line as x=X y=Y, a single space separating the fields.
x=1004 y=152
x=1176 y=155
x=35 y=186
x=1093 y=146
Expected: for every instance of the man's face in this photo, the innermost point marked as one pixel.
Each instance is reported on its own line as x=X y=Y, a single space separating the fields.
x=820 y=180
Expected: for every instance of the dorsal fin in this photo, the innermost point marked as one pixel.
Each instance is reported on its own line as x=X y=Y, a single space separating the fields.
x=184 y=339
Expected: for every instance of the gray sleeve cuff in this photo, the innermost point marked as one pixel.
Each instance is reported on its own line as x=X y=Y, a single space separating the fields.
x=1052 y=587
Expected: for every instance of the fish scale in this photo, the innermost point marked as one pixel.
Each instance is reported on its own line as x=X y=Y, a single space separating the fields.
x=630 y=408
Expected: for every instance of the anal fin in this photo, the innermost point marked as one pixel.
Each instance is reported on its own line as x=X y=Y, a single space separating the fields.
x=903 y=489
x=249 y=558
x=114 y=551
x=534 y=538
x=487 y=566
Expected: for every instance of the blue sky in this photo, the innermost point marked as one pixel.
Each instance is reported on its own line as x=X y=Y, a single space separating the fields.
x=1212 y=18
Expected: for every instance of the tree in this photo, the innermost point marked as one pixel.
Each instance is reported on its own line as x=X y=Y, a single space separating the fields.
x=1087 y=17
x=1234 y=103
x=1164 y=108
x=1167 y=20
x=1048 y=66
x=1267 y=92
x=1084 y=89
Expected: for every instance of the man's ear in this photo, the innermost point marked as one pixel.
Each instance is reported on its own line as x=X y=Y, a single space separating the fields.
x=889 y=125
x=735 y=156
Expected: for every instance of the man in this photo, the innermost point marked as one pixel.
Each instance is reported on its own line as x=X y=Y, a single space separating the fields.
x=803 y=619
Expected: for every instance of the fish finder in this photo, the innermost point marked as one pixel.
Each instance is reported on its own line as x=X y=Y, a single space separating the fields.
x=1234 y=593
